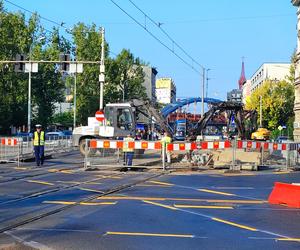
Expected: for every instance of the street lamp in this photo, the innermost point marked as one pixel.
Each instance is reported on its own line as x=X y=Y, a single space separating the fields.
x=206 y=94
x=29 y=84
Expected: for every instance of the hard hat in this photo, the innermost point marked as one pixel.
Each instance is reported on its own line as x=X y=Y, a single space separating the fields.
x=38 y=125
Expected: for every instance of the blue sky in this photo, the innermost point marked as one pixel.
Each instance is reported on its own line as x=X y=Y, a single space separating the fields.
x=217 y=34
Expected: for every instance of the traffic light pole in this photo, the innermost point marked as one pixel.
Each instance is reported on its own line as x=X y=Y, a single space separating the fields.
x=102 y=70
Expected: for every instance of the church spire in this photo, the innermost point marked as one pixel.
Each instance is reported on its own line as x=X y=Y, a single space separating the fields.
x=242 y=79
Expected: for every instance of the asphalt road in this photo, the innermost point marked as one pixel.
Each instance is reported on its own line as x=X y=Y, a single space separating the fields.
x=60 y=206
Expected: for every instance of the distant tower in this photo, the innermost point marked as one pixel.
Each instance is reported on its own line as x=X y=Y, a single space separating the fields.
x=242 y=79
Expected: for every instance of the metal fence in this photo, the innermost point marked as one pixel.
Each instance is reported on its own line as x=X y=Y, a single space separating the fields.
x=16 y=149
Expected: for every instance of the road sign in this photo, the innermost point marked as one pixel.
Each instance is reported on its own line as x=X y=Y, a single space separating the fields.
x=100 y=116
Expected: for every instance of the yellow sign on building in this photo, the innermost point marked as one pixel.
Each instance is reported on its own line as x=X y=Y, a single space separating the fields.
x=163 y=83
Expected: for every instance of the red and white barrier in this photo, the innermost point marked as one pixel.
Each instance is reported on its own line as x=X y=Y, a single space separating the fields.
x=9 y=141
x=185 y=146
x=119 y=144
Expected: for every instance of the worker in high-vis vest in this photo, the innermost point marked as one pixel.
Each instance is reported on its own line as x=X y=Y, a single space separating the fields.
x=39 y=144
x=128 y=151
x=165 y=141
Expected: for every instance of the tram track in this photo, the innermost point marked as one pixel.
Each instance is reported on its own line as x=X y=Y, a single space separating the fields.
x=23 y=220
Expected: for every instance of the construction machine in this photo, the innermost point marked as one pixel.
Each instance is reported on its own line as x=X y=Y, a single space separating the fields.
x=120 y=120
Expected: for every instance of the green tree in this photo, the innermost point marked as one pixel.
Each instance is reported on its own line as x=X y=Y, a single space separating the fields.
x=16 y=35
x=277 y=103
x=124 y=70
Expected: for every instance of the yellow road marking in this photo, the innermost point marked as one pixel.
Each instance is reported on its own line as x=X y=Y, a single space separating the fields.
x=180 y=199
x=283 y=172
x=20 y=168
x=80 y=203
x=234 y=224
x=53 y=170
x=151 y=234
x=92 y=190
x=208 y=207
x=238 y=174
x=159 y=204
x=97 y=203
x=215 y=192
x=66 y=171
x=69 y=182
x=41 y=182
x=130 y=198
x=161 y=183
x=289 y=239
x=109 y=177
x=92 y=183
x=60 y=202
x=149 y=185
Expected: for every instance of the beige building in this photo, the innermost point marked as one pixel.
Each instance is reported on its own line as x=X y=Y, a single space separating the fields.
x=246 y=90
x=297 y=77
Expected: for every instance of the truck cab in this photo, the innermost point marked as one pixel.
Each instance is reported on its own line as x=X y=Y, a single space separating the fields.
x=119 y=122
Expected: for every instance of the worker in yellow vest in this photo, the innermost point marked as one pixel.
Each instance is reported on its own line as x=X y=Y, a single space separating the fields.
x=165 y=141
x=128 y=152
x=39 y=144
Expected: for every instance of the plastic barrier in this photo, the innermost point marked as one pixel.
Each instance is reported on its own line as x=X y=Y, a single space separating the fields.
x=285 y=194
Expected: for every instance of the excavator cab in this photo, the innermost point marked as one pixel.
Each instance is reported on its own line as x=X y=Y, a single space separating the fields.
x=121 y=117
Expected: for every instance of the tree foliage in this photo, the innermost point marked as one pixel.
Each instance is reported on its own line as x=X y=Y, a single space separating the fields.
x=277 y=103
x=21 y=36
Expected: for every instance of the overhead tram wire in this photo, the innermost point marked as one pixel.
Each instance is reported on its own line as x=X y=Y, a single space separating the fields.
x=155 y=37
x=170 y=38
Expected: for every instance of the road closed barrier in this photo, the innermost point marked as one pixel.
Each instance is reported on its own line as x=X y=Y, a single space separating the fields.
x=285 y=194
x=10 y=149
x=232 y=152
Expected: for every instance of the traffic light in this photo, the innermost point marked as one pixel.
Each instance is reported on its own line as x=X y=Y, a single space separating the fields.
x=64 y=66
x=19 y=66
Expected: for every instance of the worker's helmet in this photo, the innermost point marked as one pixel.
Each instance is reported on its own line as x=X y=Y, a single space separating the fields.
x=38 y=125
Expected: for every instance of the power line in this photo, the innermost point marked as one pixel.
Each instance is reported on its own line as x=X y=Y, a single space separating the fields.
x=155 y=37
x=170 y=38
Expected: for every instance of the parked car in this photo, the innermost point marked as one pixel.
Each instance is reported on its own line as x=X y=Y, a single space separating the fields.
x=282 y=138
x=54 y=135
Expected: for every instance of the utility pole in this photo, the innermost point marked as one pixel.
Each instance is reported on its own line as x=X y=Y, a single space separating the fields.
x=102 y=70
x=75 y=93
x=203 y=83
x=29 y=97
x=260 y=111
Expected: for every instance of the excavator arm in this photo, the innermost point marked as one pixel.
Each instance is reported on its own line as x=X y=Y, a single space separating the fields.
x=148 y=110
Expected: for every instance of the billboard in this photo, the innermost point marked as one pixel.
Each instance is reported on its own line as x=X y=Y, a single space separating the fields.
x=163 y=83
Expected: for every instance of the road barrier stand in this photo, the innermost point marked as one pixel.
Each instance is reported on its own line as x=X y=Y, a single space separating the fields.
x=17 y=149
x=105 y=154
x=10 y=148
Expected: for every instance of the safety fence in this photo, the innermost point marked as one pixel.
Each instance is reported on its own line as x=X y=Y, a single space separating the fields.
x=235 y=154
x=16 y=149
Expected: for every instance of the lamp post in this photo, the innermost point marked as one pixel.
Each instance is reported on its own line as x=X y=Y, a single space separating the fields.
x=206 y=94
x=29 y=85
x=203 y=83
